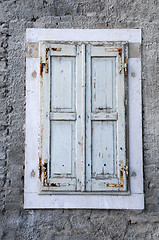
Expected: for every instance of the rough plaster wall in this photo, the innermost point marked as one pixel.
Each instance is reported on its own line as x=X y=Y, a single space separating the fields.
x=15 y=17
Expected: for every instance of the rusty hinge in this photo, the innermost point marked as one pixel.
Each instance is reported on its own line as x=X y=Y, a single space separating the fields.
x=56 y=49
x=43 y=169
x=40 y=167
x=124 y=66
x=46 y=60
x=42 y=65
x=46 y=67
x=126 y=169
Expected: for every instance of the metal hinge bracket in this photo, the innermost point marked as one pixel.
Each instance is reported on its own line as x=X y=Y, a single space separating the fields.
x=124 y=66
x=56 y=49
x=42 y=65
x=43 y=169
x=126 y=169
x=40 y=167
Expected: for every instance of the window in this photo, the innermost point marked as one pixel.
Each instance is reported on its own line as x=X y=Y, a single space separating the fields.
x=84 y=100
x=78 y=127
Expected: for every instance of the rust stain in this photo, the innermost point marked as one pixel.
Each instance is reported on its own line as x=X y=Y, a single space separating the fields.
x=126 y=60
x=45 y=183
x=46 y=61
x=125 y=67
x=40 y=167
x=56 y=49
x=94 y=84
x=41 y=66
x=121 y=176
x=126 y=169
x=120 y=51
x=47 y=49
x=44 y=168
x=112 y=185
x=52 y=185
x=46 y=64
x=121 y=185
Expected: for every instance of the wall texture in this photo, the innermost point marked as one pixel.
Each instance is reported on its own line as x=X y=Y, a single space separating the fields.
x=15 y=17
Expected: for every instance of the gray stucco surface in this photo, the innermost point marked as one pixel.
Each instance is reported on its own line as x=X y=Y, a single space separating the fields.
x=17 y=223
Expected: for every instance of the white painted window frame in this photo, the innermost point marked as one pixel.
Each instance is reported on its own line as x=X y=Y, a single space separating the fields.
x=32 y=200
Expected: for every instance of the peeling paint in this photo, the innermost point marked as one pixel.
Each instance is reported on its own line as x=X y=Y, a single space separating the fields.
x=120 y=51
x=45 y=183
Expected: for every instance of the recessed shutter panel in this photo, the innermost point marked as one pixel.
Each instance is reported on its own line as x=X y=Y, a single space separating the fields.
x=63 y=117
x=105 y=118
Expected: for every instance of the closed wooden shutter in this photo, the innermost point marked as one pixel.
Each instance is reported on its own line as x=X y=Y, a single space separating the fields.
x=62 y=118
x=106 y=149
x=83 y=117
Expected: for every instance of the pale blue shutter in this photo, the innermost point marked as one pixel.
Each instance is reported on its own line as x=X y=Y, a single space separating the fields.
x=62 y=118
x=84 y=119
x=106 y=157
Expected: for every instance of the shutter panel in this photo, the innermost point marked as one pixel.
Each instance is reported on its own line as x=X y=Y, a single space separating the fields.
x=105 y=119
x=63 y=118
x=83 y=117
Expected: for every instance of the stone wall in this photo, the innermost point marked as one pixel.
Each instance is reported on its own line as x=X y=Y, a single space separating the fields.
x=17 y=223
